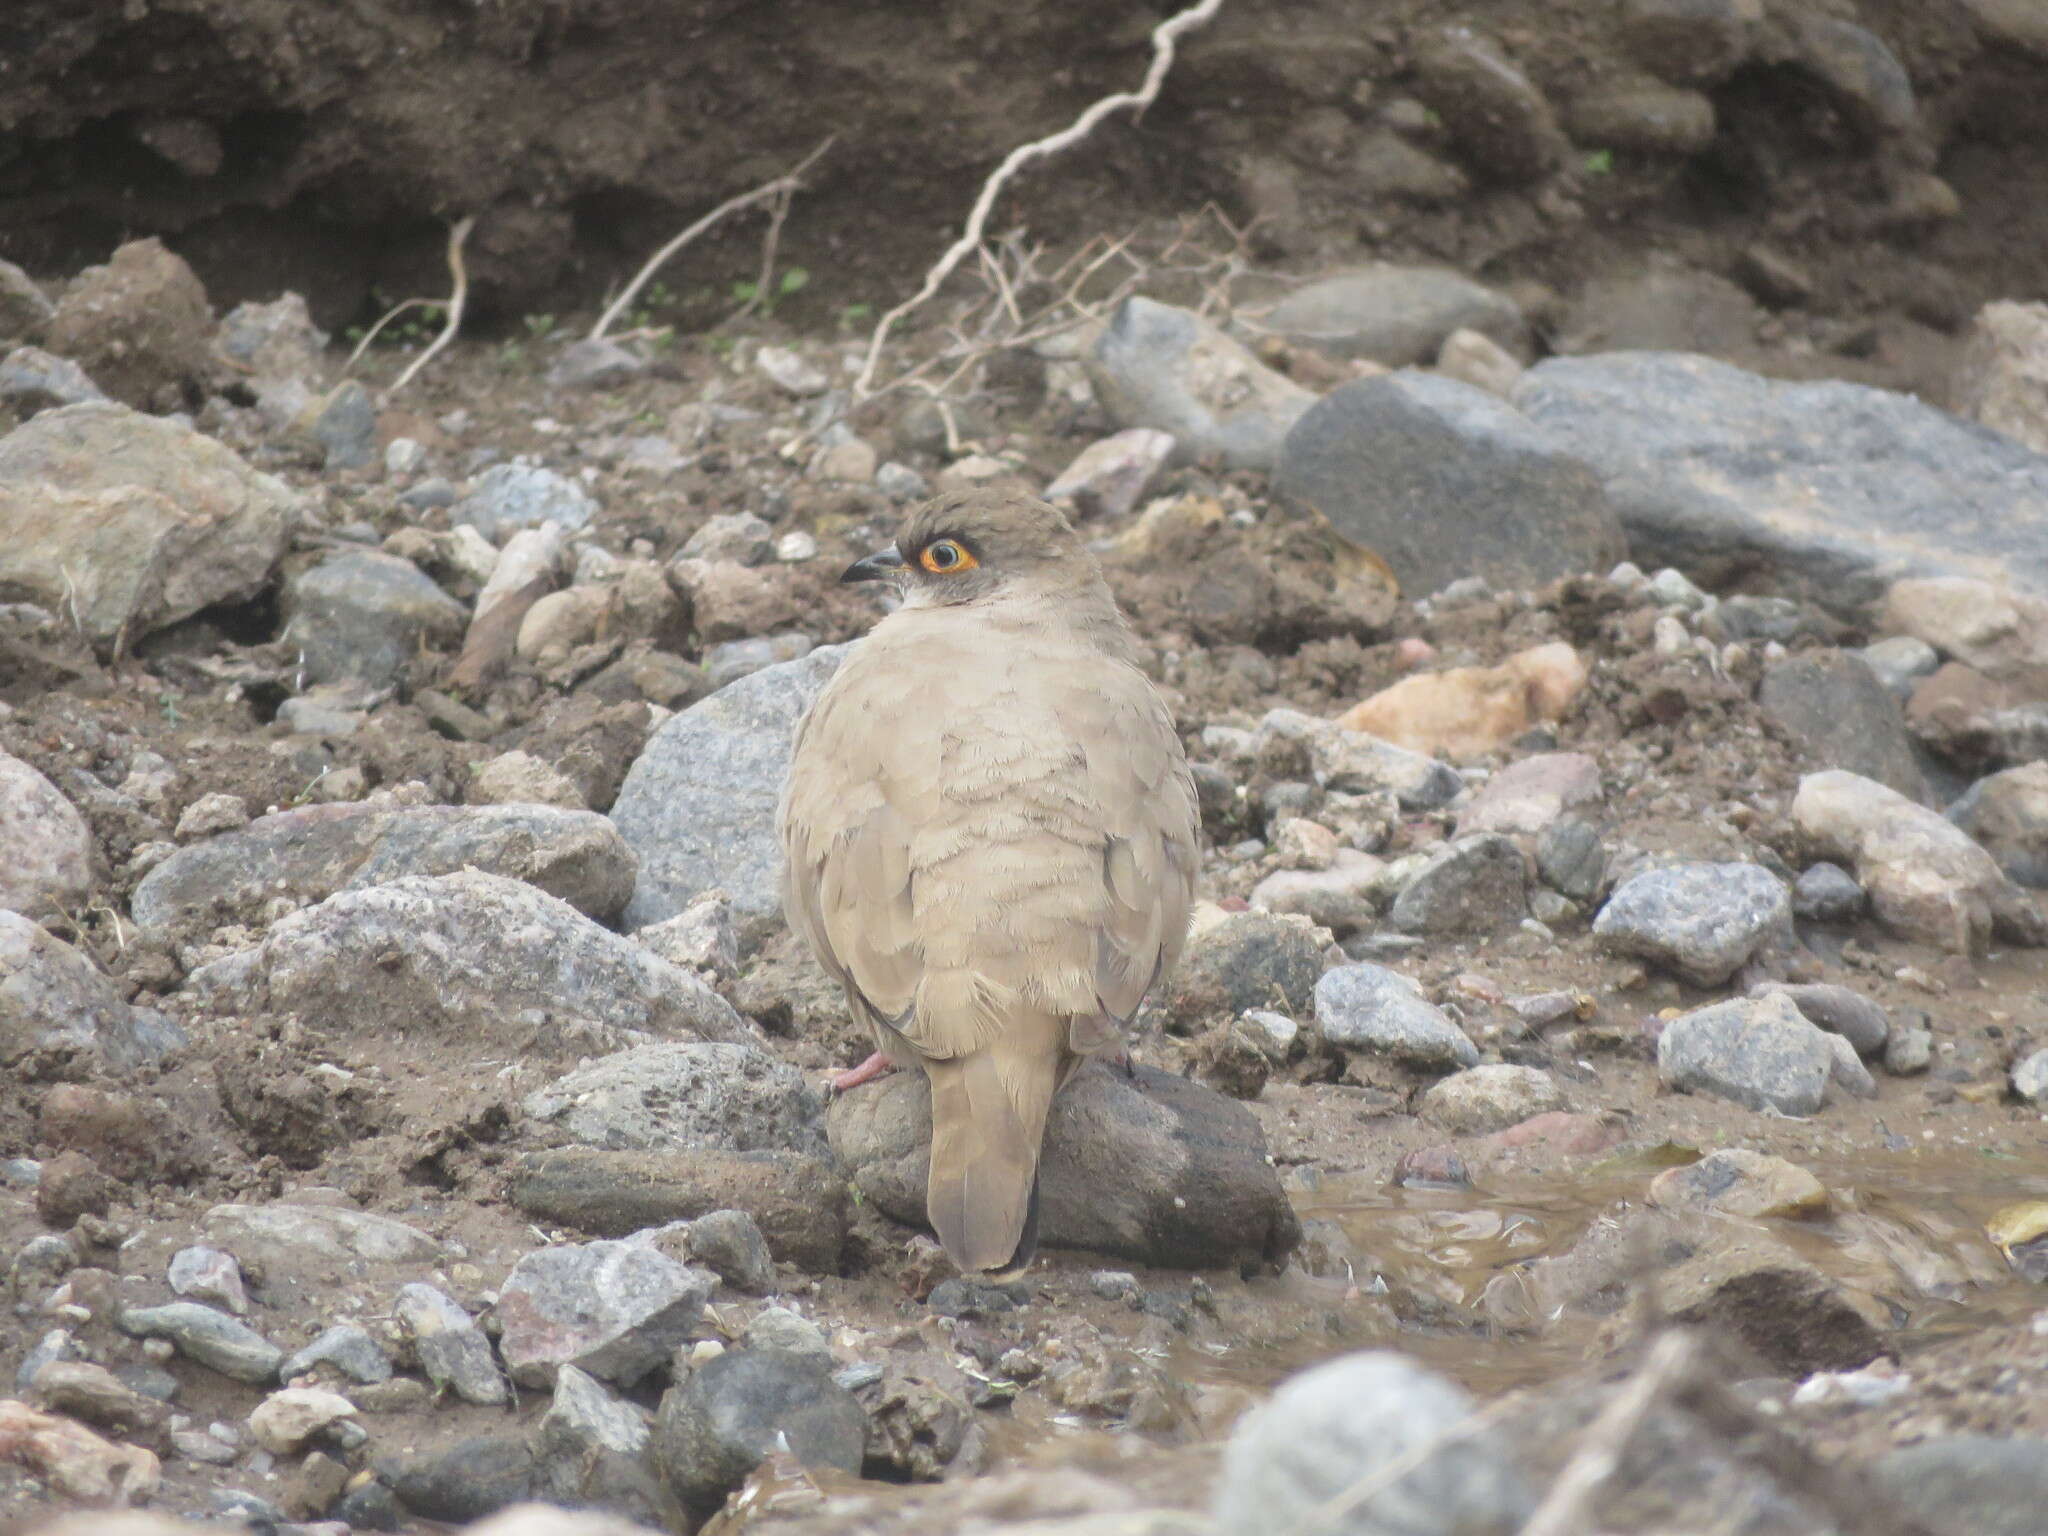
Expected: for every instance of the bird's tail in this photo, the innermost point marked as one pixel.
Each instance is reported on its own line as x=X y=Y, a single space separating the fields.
x=988 y=1121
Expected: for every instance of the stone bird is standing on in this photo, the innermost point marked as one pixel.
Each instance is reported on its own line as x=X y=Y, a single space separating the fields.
x=989 y=837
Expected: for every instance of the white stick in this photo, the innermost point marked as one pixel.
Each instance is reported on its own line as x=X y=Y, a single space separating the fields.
x=457 y=233
x=1163 y=39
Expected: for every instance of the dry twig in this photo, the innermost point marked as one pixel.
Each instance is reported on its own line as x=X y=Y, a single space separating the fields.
x=458 y=300
x=363 y=345
x=776 y=192
x=1164 y=38
x=1564 y=1508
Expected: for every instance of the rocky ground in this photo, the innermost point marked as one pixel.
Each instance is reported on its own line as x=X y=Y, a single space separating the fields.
x=1616 y=1018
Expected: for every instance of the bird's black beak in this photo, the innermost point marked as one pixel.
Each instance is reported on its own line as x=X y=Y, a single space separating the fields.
x=882 y=563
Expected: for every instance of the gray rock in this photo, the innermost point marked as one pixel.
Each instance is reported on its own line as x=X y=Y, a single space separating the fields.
x=214 y=1339
x=45 y=846
x=1899 y=662
x=1444 y=481
x=589 y=1451
x=2030 y=1077
x=1248 y=960
x=361 y=616
x=1498 y=118
x=2006 y=813
x=1661 y=306
x=508 y=497
x=345 y=1347
x=731 y=660
x=740 y=537
x=207 y=1274
x=1391 y=314
x=614 y=1309
x=40 y=1264
x=781 y=1329
x=1909 y=1051
x=32 y=380
x=1489 y=1098
x=277 y=340
x=1372 y=1009
x=1869 y=86
x=345 y=427
x=732 y=1246
x=716 y=1426
x=1341 y=898
x=1645 y=116
x=126 y=523
x=25 y=310
x=1969 y=1485
x=1704 y=921
x=311 y=854
x=698 y=805
x=1848 y=1072
x=899 y=482
x=1154 y=1169
x=594 y=362
x=53 y=999
x=472 y=956
x=1827 y=893
x=469 y=1480
x=320 y=1241
x=140 y=324
x=1533 y=795
x=791 y=372
x=1830 y=489
x=1839 y=1011
x=1699 y=41
x=701 y=1094
x=1838 y=711
x=451 y=1349
x=1110 y=477
x=699 y=938
x=1572 y=860
x=1368 y=1445
x=1759 y=1052
x=801 y=1203
x=1166 y=368
x=1475 y=885
x=1355 y=763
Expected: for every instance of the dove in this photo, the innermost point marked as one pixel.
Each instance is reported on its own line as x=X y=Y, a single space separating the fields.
x=989 y=835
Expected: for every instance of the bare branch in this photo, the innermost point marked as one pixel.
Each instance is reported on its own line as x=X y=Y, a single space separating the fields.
x=458 y=300
x=1164 y=37
x=370 y=335
x=777 y=212
x=769 y=191
x=1564 y=1509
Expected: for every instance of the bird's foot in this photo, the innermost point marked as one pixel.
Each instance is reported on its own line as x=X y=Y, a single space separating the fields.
x=845 y=1082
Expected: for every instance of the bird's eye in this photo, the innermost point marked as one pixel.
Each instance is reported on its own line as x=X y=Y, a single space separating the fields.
x=943 y=557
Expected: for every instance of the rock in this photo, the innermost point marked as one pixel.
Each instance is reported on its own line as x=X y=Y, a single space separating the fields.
x=1372 y=1009
x=520 y=778
x=2002 y=379
x=347 y=1348
x=1983 y=624
x=1848 y=1072
x=590 y=1451
x=362 y=616
x=734 y=659
x=1826 y=489
x=343 y=426
x=277 y=340
x=210 y=815
x=2007 y=815
x=1110 y=477
x=653 y=1097
x=1839 y=713
x=1704 y=921
x=1167 y=369
x=1900 y=661
x=2030 y=1077
x=799 y=1202
x=1491 y=1098
x=899 y=482
x=207 y=1274
x=778 y=1328
x=1976 y=722
x=140 y=325
x=95 y=1394
x=55 y=1001
x=214 y=1339
x=1837 y=1010
x=77 y=1464
x=45 y=846
x=1474 y=885
x=594 y=362
x=1385 y=165
x=1478 y=360
x=1340 y=898
x=1156 y=1170
x=126 y=523
x=1391 y=314
x=1385 y=1444
x=1738 y=1182
x=1571 y=860
x=1868 y=84
x=700 y=938
x=1691 y=40
x=558 y=622
x=613 y=1309
x=1660 y=307
x=1759 y=1052
x=1827 y=893
x=1248 y=960
x=25 y=310
x=732 y=1246
x=470 y=956
x=698 y=806
x=1909 y=1051
x=739 y=537
x=1925 y=878
x=284 y=1421
x=1533 y=795
x=720 y=1422
x=32 y=380
x=1470 y=712
x=1442 y=481
x=320 y=1241
x=1499 y=120
x=790 y=372
x=452 y=1350
x=852 y=460
x=1968 y=1485
x=1644 y=116
x=467 y=1481
x=508 y=497
x=1356 y=763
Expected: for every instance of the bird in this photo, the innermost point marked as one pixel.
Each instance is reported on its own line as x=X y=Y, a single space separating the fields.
x=990 y=840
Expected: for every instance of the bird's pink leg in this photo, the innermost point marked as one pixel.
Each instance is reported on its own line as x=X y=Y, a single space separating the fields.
x=866 y=1072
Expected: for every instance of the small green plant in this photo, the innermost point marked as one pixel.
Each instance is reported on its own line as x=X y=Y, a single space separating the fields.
x=539 y=326
x=1600 y=163
x=856 y=315
x=747 y=291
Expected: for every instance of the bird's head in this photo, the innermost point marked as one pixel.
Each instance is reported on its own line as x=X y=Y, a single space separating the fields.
x=963 y=547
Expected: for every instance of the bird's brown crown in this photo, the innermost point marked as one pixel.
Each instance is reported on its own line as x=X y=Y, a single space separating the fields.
x=997 y=532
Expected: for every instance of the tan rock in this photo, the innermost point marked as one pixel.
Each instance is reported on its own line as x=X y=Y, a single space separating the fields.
x=1469 y=712
x=2002 y=380
x=2001 y=633
x=1739 y=1182
x=519 y=778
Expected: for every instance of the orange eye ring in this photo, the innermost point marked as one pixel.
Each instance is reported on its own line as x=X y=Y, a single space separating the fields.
x=946 y=557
